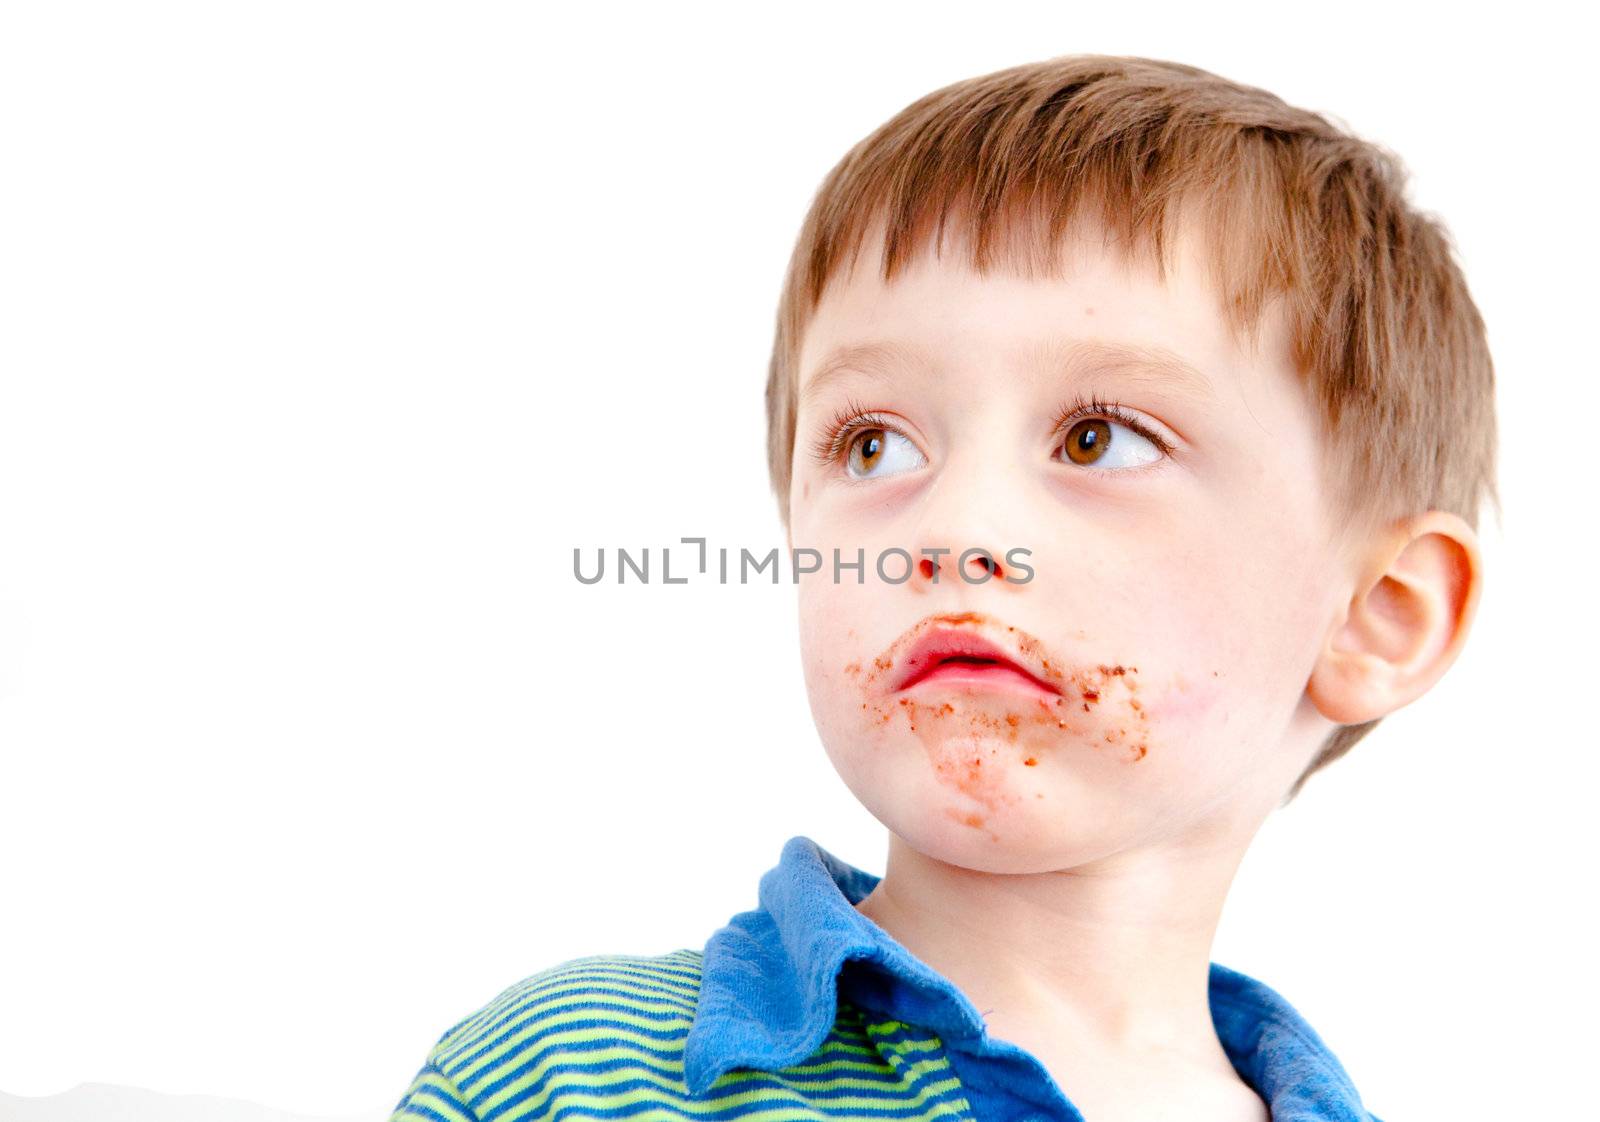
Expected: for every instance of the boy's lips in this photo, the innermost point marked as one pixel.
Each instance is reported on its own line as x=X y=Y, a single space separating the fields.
x=946 y=653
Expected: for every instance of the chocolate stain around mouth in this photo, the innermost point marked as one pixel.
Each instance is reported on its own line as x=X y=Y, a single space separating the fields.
x=960 y=741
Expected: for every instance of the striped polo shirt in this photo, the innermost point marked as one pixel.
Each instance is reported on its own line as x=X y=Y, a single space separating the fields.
x=803 y=1009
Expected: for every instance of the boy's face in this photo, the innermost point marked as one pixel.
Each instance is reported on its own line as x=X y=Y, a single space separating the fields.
x=1183 y=579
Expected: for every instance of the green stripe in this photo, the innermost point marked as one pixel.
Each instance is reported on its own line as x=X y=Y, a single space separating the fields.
x=887 y=1069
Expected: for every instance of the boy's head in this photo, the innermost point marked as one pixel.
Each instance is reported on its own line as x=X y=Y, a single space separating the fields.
x=1188 y=351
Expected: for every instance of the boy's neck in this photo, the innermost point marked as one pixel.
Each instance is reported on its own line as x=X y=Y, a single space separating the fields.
x=1107 y=959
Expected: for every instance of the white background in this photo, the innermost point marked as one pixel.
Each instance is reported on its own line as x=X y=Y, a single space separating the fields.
x=328 y=330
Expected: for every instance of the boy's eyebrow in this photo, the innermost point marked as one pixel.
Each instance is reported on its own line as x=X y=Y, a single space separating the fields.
x=1158 y=367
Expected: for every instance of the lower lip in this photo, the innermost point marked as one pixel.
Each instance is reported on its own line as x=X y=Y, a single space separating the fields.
x=967 y=675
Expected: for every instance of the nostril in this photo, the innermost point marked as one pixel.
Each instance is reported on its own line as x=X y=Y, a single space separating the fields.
x=987 y=563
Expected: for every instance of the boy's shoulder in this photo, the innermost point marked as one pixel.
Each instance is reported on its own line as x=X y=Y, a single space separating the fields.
x=506 y=1057
x=559 y=995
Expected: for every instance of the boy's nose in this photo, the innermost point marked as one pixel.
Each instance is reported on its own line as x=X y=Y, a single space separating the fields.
x=969 y=565
x=964 y=530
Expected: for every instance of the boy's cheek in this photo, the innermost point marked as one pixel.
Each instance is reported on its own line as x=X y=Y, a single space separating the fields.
x=834 y=626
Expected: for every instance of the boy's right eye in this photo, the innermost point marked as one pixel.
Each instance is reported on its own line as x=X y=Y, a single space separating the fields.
x=876 y=452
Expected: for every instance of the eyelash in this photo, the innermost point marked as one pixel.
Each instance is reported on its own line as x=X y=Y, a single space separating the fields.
x=853 y=418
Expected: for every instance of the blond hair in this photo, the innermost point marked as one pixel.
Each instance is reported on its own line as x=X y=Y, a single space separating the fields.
x=1383 y=331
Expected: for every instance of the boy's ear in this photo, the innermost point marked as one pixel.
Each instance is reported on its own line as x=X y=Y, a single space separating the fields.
x=1406 y=622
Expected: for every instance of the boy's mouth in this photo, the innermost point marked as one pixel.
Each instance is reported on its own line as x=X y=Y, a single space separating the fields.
x=946 y=656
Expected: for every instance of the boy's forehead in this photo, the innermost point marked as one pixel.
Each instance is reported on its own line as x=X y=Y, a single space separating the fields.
x=1097 y=307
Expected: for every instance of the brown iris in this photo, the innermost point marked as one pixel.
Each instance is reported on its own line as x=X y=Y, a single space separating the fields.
x=867 y=447
x=1087 y=440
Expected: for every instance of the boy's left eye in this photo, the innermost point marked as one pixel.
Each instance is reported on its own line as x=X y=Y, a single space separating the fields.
x=1090 y=443
x=1089 y=428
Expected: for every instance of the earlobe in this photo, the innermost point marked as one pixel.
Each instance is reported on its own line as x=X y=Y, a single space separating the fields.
x=1406 y=622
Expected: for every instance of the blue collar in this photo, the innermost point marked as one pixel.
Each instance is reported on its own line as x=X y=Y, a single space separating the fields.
x=770 y=977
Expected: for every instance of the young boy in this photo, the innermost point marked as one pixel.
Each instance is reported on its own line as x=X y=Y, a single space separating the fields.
x=1160 y=423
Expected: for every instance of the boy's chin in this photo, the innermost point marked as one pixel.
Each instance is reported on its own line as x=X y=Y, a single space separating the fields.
x=1024 y=826
x=1012 y=847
